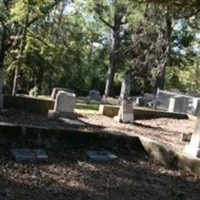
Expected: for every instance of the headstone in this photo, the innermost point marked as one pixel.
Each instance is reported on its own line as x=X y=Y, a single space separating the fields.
x=140 y=101
x=64 y=105
x=33 y=92
x=194 y=105
x=193 y=148
x=126 y=86
x=95 y=94
x=178 y=104
x=57 y=89
x=125 y=114
x=65 y=102
x=29 y=155
x=101 y=156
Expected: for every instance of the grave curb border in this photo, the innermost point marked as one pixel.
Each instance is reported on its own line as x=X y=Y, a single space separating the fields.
x=170 y=157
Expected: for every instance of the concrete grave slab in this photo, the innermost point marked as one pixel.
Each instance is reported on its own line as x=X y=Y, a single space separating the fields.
x=29 y=155
x=72 y=122
x=101 y=156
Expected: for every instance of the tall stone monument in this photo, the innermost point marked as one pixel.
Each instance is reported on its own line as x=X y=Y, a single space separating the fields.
x=125 y=114
x=126 y=87
x=193 y=148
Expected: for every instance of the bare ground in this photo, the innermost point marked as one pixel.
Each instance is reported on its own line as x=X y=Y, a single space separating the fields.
x=69 y=175
x=164 y=130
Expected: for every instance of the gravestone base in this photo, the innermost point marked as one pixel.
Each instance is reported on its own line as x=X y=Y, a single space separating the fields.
x=125 y=114
x=124 y=118
x=193 y=151
x=52 y=114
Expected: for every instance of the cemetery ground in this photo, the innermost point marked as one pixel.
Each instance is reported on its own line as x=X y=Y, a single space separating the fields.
x=68 y=174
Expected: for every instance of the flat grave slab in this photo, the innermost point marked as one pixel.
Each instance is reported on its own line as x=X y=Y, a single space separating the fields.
x=72 y=121
x=29 y=155
x=101 y=156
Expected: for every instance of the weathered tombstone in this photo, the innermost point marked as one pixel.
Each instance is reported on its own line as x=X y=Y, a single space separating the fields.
x=95 y=94
x=194 y=105
x=140 y=101
x=64 y=105
x=57 y=89
x=126 y=86
x=125 y=114
x=178 y=104
x=193 y=148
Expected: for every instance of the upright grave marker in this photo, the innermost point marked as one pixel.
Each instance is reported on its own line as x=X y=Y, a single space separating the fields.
x=126 y=87
x=95 y=94
x=64 y=105
x=193 y=148
x=57 y=89
x=178 y=104
x=125 y=114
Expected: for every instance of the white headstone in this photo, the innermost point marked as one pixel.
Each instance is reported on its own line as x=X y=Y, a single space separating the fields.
x=65 y=102
x=194 y=105
x=57 y=89
x=193 y=148
x=125 y=113
x=126 y=86
x=178 y=104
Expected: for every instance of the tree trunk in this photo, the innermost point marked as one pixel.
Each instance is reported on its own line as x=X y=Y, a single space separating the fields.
x=114 y=56
x=21 y=50
x=109 y=82
x=3 y=49
x=160 y=78
x=1 y=87
x=2 y=56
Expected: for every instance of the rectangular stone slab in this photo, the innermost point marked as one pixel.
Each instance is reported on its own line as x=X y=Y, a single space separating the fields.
x=29 y=155
x=101 y=156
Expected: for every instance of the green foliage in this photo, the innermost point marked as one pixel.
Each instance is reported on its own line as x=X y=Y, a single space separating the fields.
x=68 y=45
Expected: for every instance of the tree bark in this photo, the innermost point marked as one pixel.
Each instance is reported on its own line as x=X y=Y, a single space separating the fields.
x=160 y=78
x=21 y=50
x=114 y=56
x=109 y=82
x=3 y=49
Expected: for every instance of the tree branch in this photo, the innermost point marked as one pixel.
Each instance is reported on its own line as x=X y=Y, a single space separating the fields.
x=106 y=23
x=50 y=7
x=173 y=3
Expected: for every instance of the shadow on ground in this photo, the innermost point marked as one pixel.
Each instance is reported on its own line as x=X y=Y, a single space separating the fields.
x=69 y=175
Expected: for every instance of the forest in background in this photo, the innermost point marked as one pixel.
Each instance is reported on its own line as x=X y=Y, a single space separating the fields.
x=91 y=44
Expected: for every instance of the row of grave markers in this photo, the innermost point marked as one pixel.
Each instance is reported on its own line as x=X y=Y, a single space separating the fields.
x=65 y=104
